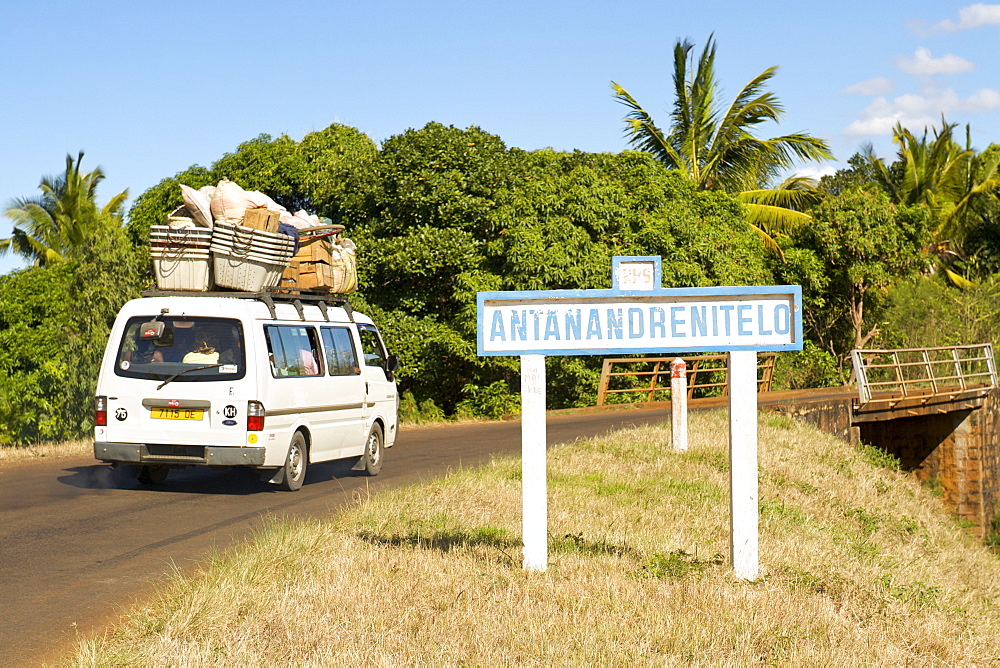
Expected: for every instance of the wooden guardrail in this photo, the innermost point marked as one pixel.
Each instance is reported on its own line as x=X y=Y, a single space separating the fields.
x=923 y=372
x=706 y=374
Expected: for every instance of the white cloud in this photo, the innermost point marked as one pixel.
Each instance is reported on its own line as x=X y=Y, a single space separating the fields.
x=923 y=64
x=973 y=16
x=917 y=112
x=816 y=172
x=986 y=99
x=876 y=86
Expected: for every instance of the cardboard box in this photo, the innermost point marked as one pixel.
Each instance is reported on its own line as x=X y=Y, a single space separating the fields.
x=262 y=219
x=290 y=276
x=315 y=275
x=319 y=250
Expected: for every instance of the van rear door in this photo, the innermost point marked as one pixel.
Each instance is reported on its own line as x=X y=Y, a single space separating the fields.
x=184 y=382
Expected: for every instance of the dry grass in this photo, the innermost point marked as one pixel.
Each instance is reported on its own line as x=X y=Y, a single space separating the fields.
x=20 y=453
x=861 y=567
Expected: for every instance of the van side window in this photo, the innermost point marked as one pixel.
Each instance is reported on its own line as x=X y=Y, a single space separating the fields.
x=341 y=358
x=293 y=350
x=371 y=345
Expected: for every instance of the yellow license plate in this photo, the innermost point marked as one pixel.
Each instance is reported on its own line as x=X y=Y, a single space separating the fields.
x=177 y=413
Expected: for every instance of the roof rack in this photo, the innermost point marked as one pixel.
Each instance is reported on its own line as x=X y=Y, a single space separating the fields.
x=293 y=296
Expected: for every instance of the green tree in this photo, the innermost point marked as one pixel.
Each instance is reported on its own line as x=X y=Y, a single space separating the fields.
x=64 y=219
x=715 y=148
x=55 y=316
x=926 y=313
x=54 y=324
x=860 y=172
x=858 y=246
x=454 y=224
x=953 y=181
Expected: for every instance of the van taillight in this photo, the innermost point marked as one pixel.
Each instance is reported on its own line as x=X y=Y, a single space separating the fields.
x=101 y=411
x=255 y=416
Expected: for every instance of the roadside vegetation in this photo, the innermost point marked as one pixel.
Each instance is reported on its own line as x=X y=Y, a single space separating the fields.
x=861 y=566
x=10 y=453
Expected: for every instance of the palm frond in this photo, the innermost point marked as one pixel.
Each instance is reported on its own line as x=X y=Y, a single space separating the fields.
x=65 y=217
x=769 y=243
x=786 y=196
x=956 y=279
x=775 y=219
x=643 y=133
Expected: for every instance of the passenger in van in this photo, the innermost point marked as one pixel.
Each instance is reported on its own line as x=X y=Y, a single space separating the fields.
x=203 y=353
x=309 y=365
x=214 y=346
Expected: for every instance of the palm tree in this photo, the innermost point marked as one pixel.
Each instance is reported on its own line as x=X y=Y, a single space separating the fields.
x=715 y=148
x=64 y=218
x=947 y=178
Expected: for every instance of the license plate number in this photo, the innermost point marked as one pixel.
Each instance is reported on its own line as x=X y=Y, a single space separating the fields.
x=177 y=413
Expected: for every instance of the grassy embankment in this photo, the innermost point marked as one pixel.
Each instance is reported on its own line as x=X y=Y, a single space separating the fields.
x=19 y=453
x=861 y=566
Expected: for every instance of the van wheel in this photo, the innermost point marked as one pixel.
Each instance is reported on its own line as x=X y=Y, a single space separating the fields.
x=295 y=463
x=153 y=475
x=372 y=459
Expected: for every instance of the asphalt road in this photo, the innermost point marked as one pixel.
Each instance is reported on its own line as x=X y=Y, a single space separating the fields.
x=75 y=553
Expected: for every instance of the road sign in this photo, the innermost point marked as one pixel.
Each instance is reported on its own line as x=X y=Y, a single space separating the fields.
x=638 y=316
x=678 y=320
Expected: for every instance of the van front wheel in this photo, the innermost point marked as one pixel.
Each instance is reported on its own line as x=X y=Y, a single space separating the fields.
x=372 y=459
x=295 y=463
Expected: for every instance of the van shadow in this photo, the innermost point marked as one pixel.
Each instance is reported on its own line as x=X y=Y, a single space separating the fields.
x=197 y=479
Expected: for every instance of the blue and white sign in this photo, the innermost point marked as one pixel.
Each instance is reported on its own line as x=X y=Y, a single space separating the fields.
x=598 y=322
x=639 y=316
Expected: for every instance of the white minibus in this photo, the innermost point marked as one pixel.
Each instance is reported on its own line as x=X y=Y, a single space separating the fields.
x=269 y=381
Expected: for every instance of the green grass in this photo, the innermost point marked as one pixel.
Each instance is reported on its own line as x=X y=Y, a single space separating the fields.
x=860 y=565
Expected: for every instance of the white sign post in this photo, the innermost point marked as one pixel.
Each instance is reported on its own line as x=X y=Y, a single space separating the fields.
x=642 y=318
x=743 y=541
x=534 y=496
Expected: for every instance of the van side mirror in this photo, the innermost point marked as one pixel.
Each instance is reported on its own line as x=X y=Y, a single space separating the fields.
x=151 y=331
x=392 y=365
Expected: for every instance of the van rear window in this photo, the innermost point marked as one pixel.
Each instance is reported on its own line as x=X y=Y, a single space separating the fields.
x=189 y=349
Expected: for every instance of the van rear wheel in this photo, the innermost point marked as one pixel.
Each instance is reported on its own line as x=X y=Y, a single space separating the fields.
x=295 y=463
x=153 y=475
x=372 y=459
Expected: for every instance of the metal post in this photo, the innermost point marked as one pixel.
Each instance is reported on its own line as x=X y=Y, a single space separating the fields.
x=743 y=497
x=534 y=500
x=678 y=405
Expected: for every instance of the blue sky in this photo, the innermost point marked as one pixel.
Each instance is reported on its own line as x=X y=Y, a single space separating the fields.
x=148 y=89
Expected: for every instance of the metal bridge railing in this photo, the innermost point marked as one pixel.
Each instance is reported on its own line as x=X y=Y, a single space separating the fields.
x=924 y=372
x=707 y=375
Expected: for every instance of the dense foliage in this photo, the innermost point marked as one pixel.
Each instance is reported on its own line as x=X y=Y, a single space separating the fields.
x=54 y=322
x=439 y=213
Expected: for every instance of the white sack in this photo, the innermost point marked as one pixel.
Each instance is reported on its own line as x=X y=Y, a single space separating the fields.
x=198 y=204
x=297 y=221
x=268 y=202
x=231 y=202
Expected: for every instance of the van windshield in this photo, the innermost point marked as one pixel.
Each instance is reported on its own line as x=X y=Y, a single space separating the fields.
x=185 y=344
